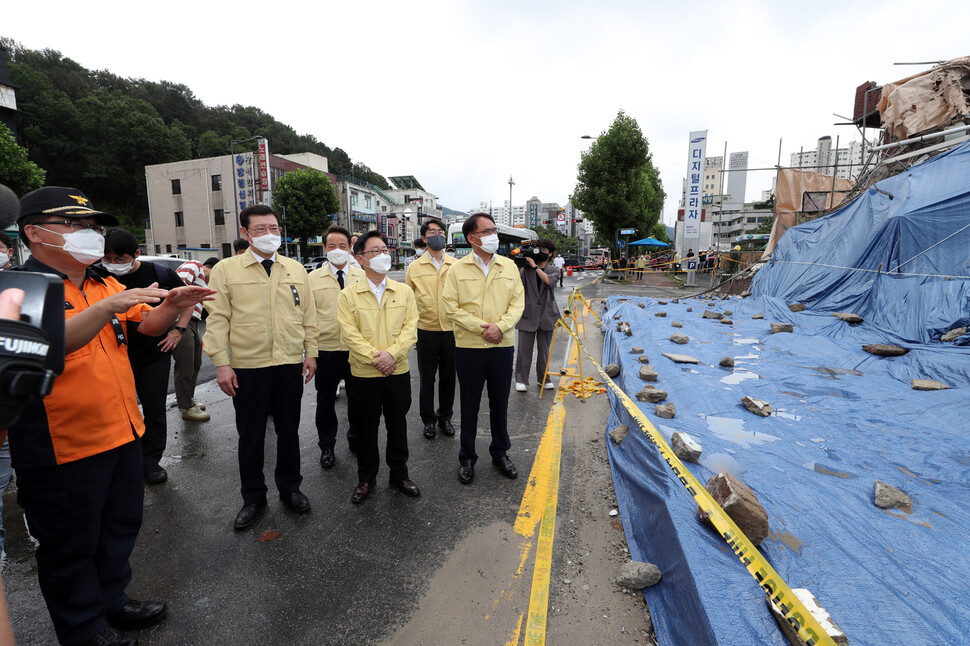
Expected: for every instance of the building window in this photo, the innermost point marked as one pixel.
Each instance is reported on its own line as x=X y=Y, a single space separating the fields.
x=181 y=246
x=206 y=245
x=217 y=182
x=176 y=187
x=179 y=220
x=168 y=248
x=158 y=249
x=220 y=216
x=353 y=198
x=367 y=201
x=148 y=223
x=226 y=249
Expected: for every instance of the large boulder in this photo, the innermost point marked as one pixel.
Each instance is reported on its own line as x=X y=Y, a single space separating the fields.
x=797 y=307
x=928 y=384
x=727 y=362
x=637 y=575
x=741 y=504
x=647 y=373
x=708 y=314
x=666 y=411
x=782 y=327
x=651 y=395
x=684 y=447
x=680 y=339
x=618 y=434
x=885 y=350
x=643 y=358
x=848 y=317
x=612 y=370
x=756 y=406
x=953 y=334
x=887 y=497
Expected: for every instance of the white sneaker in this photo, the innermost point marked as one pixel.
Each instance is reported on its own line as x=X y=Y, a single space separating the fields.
x=520 y=387
x=549 y=385
x=194 y=414
x=198 y=404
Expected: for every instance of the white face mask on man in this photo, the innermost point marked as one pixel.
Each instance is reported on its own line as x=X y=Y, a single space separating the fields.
x=118 y=269
x=268 y=243
x=86 y=245
x=381 y=264
x=338 y=257
x=489 y=244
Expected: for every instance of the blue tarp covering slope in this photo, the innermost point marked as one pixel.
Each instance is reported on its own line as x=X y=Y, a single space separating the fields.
x=842 y=420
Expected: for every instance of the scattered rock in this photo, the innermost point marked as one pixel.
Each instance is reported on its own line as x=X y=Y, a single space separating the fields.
x=675 y=324
x=727 y=362
x=756 y=406
x=848 y=317
x=741 y=504
x=661 y=302
x=884 y=350
x=636 y=351
x=651 y=395
x=637 y=575
x=888 y=497
x=627 y=331
x=690 y=309
x=758 y=317
x=680 y=339
x=782 y=327
x=727 y=322
x=614 y=512
x=666 y=411
x=820 y=614
x=708 y=314
x=928 y=384
x=648 y=374
x=711 y=304
x=612 y=370
x=728 y=312
x=953 y=334
x=676 y=300
x=685 y=447
x=642 y=306
x=681 y=358
x=644 y=359
x=745 y=294
x=616 y=316
x=797 y=307
x=618 y=434
x=660 y=314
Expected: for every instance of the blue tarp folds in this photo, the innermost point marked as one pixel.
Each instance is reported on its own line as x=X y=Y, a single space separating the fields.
x=842 y=420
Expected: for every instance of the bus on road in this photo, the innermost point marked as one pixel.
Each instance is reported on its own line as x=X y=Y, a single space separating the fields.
x=509 y=238
x=599 y=257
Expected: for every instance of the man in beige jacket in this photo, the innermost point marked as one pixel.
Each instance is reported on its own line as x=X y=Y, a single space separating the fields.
x=484 y=298
x=436 y=340
x=262 y=336
x=378 y=319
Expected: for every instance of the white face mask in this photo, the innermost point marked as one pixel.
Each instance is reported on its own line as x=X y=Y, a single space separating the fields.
x=4 y=260
x=267 y=243
x=86 y=245
x=381 y=264
x=489 y=244
x=419 y=252
x=119 y=269
x=338 y=257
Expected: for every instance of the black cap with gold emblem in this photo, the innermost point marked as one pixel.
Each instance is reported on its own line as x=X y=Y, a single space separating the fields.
x=63 y=201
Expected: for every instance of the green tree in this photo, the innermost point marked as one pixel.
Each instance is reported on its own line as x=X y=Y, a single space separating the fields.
x=617 y=185
x=17 y=172
x=765 y=226
x=659 y=232
x=307 y=202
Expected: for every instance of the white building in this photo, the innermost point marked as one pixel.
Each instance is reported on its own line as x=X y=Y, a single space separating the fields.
x=844 y=163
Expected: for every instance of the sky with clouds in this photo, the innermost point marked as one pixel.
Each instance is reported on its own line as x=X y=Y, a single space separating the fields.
x=464 y=94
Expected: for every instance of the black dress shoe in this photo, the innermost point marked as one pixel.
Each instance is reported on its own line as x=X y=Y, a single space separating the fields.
x=466 y=472
x=138 y=614
x=504 y=464
x=407 y=487
x=430 y=431
x=447 y=428
x=247 y=515
x=155 y=475
x=327 y=459
x=296 y=502
x=111 y=637
x=362 y=491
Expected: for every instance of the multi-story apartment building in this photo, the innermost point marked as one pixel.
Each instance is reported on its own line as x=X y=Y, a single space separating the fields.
x=844 y=163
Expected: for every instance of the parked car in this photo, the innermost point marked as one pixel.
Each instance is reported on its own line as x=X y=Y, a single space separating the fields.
x=172 y=262
x=314 y=263
x=576 y=263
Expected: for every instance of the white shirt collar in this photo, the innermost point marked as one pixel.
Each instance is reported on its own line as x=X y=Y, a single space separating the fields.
x=378 y=289
x=335 y=269
x=484 y=265
x=437 y=263
x=260 y=259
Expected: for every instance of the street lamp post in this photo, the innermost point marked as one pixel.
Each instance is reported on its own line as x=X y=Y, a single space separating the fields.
x=511 y=218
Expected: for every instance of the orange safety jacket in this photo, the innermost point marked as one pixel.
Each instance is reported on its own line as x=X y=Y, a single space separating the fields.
x=93 y=407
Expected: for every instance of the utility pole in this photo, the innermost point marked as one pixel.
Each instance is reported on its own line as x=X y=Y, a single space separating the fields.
x=511 y=218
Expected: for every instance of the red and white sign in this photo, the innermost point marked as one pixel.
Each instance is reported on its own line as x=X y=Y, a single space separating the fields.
x=561 y=217
x=263 y=165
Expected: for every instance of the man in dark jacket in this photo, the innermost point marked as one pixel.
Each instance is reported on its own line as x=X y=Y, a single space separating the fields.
x=535 y=328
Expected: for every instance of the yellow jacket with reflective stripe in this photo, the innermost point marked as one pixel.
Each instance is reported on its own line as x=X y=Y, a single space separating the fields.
x=257 y=320
x=368 y=327
x=428 y=283
x=472 y=298
x=325 y=290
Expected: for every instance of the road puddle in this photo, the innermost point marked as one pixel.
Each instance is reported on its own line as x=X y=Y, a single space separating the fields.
x=739 y=375
x=732 y=430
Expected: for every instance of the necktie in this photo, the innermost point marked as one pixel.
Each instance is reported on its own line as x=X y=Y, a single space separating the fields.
x=268 y=266
x=340 y=278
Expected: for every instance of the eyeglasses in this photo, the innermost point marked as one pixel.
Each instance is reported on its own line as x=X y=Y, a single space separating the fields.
x=486 y=232
x=77 y=225
x=374 y=252
x=435 y=232
x=264 y=230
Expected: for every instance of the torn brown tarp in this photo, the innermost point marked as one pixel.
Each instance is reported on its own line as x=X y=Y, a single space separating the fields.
x=790 y=188
x=927 y=100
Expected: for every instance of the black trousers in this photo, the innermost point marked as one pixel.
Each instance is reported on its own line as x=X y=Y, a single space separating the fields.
x=436 y=355
x=151 y=384
x=390 y=396
x=276 y=389
x=332 y=366
x=490 y=368
x=85 y=516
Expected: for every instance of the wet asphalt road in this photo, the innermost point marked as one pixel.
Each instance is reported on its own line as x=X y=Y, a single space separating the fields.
x=341 y=574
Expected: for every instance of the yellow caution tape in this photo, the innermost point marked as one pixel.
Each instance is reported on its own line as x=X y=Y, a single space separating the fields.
x=777 y=590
